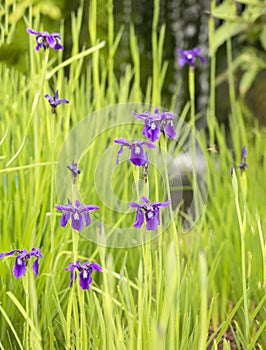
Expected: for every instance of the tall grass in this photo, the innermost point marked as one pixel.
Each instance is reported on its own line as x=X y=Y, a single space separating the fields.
x=166 y=294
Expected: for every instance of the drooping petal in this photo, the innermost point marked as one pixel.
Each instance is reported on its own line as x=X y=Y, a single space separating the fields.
x=139 y=218
x=152 y=131
x=169 y=130
x=120 y=151
x=35 y=267
x=20 y=267
x=77 y=221
x=85 y=279
x=65 y=217
x=137 y=156
x=87 y=218
x=152 y=219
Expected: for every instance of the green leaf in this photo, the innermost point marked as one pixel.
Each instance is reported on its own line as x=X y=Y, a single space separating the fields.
x=247 y=80
x=263 y=37
x=227 y=31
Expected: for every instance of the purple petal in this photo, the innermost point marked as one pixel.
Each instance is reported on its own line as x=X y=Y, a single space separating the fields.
x=62 y=100
x=139 y=219
x=123 y=141
x=120 y=151
x=147 y=144
x=87 y=218
x=65 y=207
x=31 y=31
x=142 y=116
x=137 y=156
x=77 y=203
x=144 y=199
x=152 y=224
x=135 y=205
x=85 y=207
x=152 y=221
x=77 y=221
x=85 y=279
x=244 y=152
x=170 y=131
x=2 y=255
x=49 y=98
x=95 y=266
x=36 y=252
x=152 y=131
x=50 y=40
x=35 y=267
x=58 y=47
x=65 y=217
x=161 y=204
x=19 y=268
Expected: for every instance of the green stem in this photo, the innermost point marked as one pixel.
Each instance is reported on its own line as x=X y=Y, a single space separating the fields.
x=212 y=54
x=191 y=79
x=26 y=290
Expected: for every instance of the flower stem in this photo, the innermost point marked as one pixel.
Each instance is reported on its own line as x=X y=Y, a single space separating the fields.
x=26 y=291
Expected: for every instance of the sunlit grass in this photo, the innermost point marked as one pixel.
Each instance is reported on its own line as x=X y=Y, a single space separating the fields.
x=165 y=294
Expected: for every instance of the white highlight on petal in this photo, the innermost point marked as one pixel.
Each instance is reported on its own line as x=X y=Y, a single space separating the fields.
x=153 y=126
x=19 y=261
x=137 y=150
x=189 y=56
x=150 y=214
x=85 y=274
x=76 y=216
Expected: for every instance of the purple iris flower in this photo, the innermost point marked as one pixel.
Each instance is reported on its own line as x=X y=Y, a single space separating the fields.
x=79 y=214
x=156 y=122
x=150 y=211
x=22 y=258
x=85 y=273
x=189 y=56
x=55 y=101
x=74 y=170
x=46 y=40
x=137 y=156
x=243 y=165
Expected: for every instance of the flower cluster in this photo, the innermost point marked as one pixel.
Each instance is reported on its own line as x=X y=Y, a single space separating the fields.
x=46 y=40
x=155 y=123
x=137 y=156
x=151 y=212
x=55 y=101
x=22 y=259
x=85 y=271
x=79 y=214
x=189 y=56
